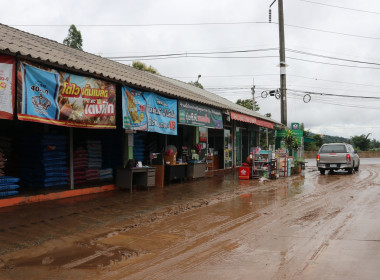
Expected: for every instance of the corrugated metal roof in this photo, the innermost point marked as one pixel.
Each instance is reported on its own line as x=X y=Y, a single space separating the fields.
x=27 y=45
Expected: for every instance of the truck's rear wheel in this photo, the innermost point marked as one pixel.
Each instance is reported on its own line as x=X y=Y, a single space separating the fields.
x=322 y=171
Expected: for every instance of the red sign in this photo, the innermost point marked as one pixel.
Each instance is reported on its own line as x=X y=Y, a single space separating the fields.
x=265 y=124
x=7 y=86
x=243 y=118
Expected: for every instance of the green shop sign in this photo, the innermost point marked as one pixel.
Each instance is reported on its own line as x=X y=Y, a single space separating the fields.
x=199 y=115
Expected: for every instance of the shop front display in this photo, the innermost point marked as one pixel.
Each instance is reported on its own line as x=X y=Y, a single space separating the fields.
x=227 y=148
x=238 y=146
x=207 y=122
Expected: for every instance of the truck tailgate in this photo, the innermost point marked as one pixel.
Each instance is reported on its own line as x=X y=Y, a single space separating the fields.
x=332 y=158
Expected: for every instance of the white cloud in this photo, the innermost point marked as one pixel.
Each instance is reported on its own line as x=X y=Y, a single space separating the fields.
x=333 y=119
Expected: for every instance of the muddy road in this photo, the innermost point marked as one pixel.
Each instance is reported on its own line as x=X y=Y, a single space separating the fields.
x=302 y=227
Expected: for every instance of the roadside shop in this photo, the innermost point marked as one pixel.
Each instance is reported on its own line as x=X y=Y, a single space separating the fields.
x=72 y=120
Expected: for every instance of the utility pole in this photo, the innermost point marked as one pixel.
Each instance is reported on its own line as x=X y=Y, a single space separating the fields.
x=284 y=118
x=253 y=95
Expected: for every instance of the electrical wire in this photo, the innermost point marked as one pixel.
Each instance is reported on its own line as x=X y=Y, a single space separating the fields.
x=251 y=57
x=332 y=32
x=340 y=104
x=340 y=7
x=193 y=24
x=142 y=25
x=200 y=56
x=332 y=57
x=332 y=81
x=336 y=95
x=340 y=89
x=334 y=64
x=194 y=53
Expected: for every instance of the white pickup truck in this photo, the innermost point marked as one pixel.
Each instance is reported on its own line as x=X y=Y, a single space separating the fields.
x=337 y=156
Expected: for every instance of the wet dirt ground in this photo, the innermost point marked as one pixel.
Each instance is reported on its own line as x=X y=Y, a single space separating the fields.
x=301 y=227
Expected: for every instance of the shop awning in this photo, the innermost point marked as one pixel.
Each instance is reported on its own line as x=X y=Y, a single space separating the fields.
x=253 y=120
x=264 y=124
x=243 y=118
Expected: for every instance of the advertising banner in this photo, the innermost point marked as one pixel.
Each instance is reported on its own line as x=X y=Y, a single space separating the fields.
x=7 y=87
x=60 y=98
x=134 y=109
x=264 y=124
x=199 y=115
x=161 y=113
x=243 y=118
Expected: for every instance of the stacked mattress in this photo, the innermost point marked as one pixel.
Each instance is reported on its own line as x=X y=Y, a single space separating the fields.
x=5 y=151
x=44 y=161
x=94 y=150
x=80 y=165
x=8 y=186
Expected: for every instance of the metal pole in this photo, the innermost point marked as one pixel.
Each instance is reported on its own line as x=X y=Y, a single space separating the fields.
x=284 y=119
x=253 y=95
x=71 y=159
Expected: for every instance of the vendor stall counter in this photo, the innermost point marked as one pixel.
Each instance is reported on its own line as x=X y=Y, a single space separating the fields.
x=140 y=176
x=196 y=170
x=175 y=171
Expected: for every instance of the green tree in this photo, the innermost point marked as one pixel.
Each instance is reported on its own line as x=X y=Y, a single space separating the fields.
x=142 y=66
x=361 y=142
x=374 y=145
x=308 y=146
x=291 y=142
x=318 y=140
x=248 y=103
x=74 y=38
x=196 y=84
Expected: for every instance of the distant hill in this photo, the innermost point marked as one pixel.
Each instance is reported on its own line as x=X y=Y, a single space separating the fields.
x=332 y=139
x=335 y=139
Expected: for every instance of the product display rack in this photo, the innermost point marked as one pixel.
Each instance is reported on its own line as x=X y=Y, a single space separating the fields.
x=282 y=164
x=212 y=162
x=261 y=164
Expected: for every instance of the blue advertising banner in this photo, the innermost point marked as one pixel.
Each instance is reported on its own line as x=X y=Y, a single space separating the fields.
x=161 y=113
x=134 y=109
x=60 y=98
x=40 y=93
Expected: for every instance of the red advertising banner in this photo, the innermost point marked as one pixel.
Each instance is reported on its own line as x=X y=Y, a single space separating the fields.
x=243 y=118
x=249 y=119
x=7 y=86
x=59 y=98
x=265 y=124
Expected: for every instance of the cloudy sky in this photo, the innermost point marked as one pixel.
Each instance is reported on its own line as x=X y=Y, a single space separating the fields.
x=332 y=49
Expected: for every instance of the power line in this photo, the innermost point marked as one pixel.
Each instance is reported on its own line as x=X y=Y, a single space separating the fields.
x=192 y=24
x=202 y=56
x=341 y=89
x=193 y=53
x=336 y=95
x=332 y=81
x=332 y=32
x=332 y=57
x=340 y=7
x=334 y=64
x=248 y=57
x=227 y=76
x=319 y=100
x=142 y=25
